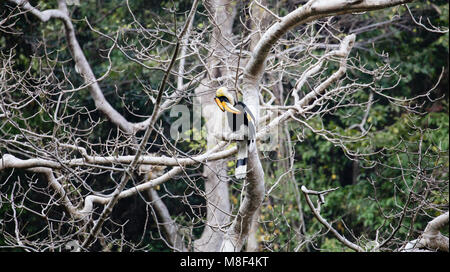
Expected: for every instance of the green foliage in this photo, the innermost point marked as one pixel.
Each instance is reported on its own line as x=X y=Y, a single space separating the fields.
x=420 y=57
x=319 y=164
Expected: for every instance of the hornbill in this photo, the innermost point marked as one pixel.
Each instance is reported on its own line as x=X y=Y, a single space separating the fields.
x=238 y=114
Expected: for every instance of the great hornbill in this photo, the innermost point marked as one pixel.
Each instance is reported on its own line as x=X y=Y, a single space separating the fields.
x=238 y=114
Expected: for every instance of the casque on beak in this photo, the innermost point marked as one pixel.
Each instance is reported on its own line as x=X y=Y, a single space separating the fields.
x=226 y=106
x=224 y=100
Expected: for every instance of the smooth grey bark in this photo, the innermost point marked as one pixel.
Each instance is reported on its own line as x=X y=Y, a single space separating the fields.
x=222 y=14
x=432 y=238
x=254 y=186
x=253 y=72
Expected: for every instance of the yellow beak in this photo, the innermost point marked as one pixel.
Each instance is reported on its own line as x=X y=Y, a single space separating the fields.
x=230 y=108
x=226 y=106
x=219 y=104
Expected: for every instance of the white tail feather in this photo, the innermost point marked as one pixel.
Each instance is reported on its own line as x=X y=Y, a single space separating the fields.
x=241 y=163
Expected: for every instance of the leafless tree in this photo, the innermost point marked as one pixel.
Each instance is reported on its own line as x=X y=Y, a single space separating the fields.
x=64 y=163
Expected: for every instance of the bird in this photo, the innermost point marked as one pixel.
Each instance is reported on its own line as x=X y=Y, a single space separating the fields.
x=238 y=114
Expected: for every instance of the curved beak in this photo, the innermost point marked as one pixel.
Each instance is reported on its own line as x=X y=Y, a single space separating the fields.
x=219 y=104
x=230 y=108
